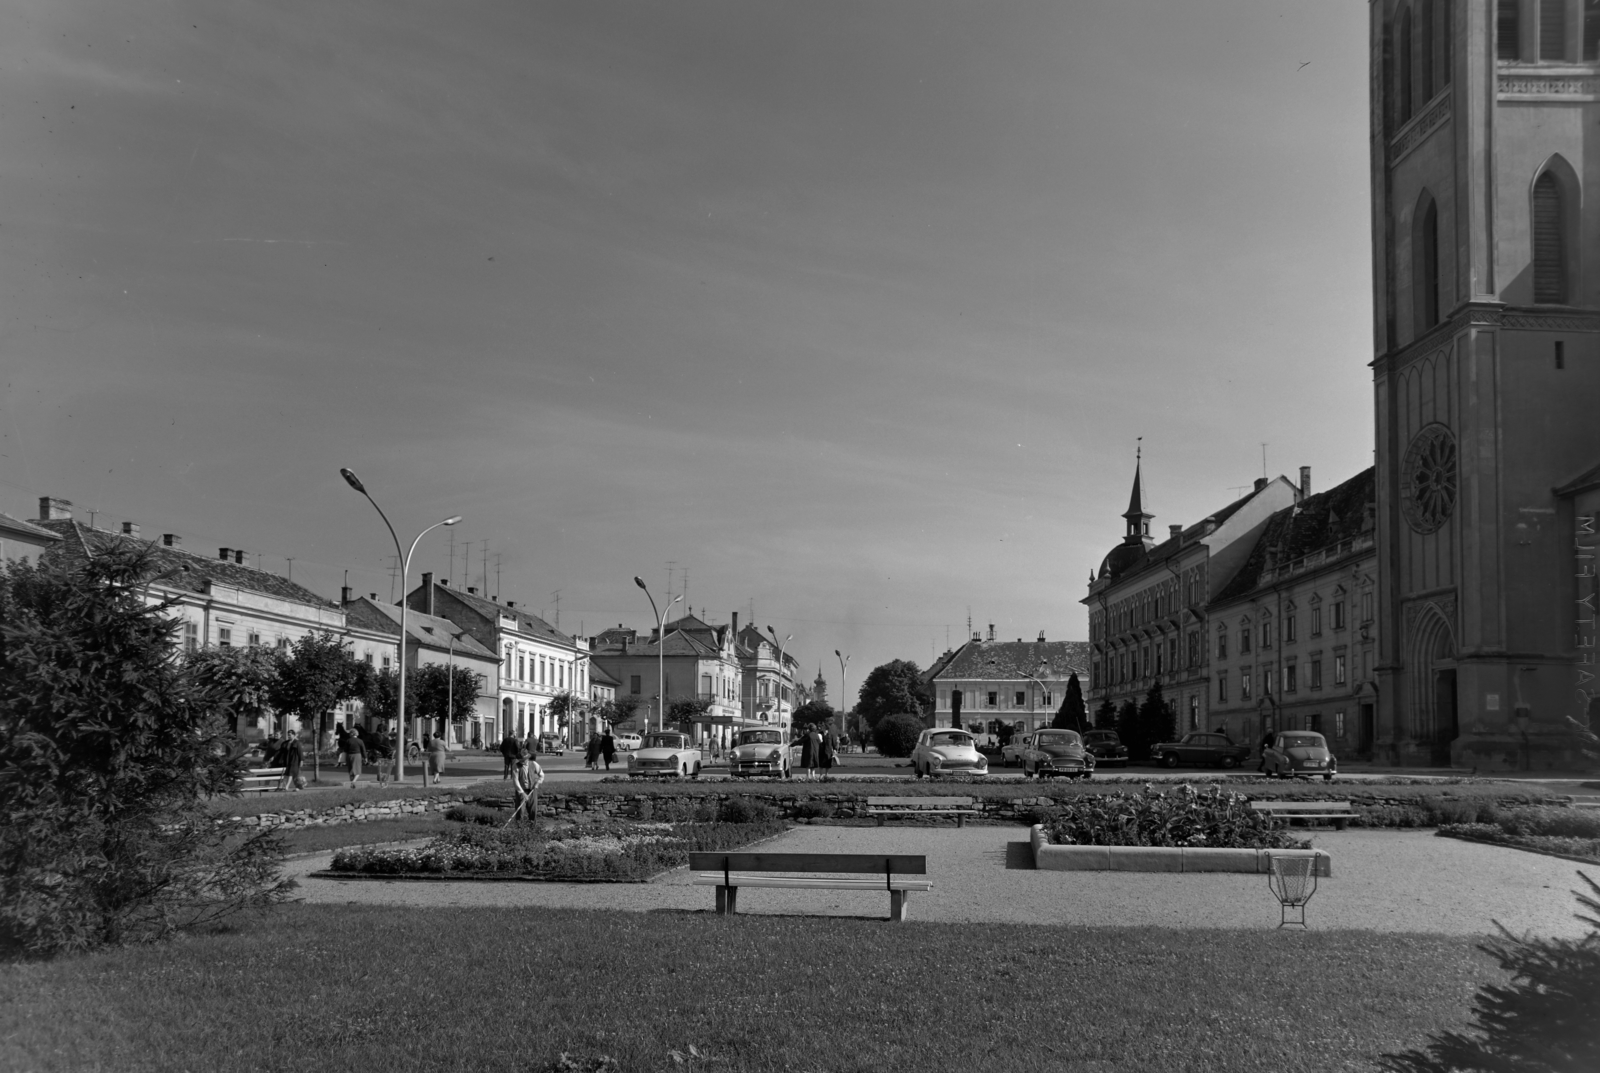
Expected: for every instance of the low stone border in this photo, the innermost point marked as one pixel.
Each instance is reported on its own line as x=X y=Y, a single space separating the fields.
x=469 y=877
x=365 y=812
x=1051 y=858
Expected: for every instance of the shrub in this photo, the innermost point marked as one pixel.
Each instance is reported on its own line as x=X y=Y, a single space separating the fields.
x=489 y=817
x=813 y=810
x=747 y=810
x=1185 y=817
x=109 y=747
x=1541 y=1021
x=896 y=735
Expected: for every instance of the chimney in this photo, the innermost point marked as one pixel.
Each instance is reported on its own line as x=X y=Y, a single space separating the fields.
x=171 y=540
x=976 y=636
x=1305 y=482
x=1261 y=482
x=344 y=595
x=427 y=592
x=372 y=596
x=1041 y=637
x=512 y=604
x=130 y=529
x=225 y=554
x=736 y=623
x=52 y=509
x=991 y=631
x=240 y=557
x=472 y=590
x=1175 y=532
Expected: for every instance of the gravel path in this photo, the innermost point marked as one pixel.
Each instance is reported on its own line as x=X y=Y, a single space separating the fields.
x=1407 y=881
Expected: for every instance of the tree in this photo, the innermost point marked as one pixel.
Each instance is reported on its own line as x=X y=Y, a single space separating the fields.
x=568 y=707
x=246 y=674
x=1157 y=721
x=812 y=713
x=1070 y=715
x=317 y=673
x=686 y=712
x=381 y=695
x=110 y=746
x=443 y=693
x=1131 y=731
x=897 y=734
x=1105 y=716
x=891 y=689
x=619 y=710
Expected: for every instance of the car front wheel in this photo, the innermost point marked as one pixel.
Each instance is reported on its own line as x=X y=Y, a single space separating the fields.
x=1170 y=760
x=1229 y=763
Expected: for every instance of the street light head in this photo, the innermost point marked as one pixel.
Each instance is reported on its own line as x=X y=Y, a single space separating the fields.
x=675 y=599
x=836 y=652
x=639 y=581
x=352 y=480
x=453 y=519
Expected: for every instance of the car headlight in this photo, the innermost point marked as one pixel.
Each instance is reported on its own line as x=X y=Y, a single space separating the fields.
x=936 y=760
x=776 y=755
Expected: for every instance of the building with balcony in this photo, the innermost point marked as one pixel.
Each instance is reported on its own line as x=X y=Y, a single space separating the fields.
x=767 y=692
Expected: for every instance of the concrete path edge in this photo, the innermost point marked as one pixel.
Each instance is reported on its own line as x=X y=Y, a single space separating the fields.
x=1049 y=858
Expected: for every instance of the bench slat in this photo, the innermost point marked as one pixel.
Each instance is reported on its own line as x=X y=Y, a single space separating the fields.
x=714 y=879
x=949 y=802
x=899 y=863
x=1302 y=806
x=922 y=811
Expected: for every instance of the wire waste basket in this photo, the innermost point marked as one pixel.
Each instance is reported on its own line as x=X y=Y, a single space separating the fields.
x=1293 y=881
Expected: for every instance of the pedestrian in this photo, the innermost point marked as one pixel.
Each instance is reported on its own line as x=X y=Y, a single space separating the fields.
x=827 y=749
x=437 y=752
x=810 y=745
x=608 y=748
x=591 y=752
x=508 y=752
x=290 y=755
x=355 y=753
x=526 y=775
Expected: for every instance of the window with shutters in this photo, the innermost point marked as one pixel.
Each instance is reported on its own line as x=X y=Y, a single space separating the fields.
x=1508 y=30
x=1549 y=241
x=1553 y=29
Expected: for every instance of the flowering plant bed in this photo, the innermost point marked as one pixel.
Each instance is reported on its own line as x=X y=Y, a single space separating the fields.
x=558 y=852
x=1563 y=832
x=1212 y=818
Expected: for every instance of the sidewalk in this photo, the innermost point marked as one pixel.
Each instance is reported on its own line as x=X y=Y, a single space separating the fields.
x=1385 y=881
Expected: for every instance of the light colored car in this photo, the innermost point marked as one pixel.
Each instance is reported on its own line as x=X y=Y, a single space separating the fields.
x=666 y=752
x=626 y=743
x=1011 y=751
x=1047 y=753
x=945 y=751
x=552 y=743
x=1299 y=752
x=759 y=752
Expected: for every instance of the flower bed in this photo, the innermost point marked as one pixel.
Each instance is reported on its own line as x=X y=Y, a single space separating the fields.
x=1566 y=832
x=565 y=852
x=1211 y=818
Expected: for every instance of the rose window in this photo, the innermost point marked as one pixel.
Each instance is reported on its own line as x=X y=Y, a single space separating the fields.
x=1429 y=479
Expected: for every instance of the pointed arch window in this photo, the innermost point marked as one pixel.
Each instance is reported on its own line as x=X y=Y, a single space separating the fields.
x=1549 y=240
x=1553 y=30
x=1425 y=263
x=1508 y=30
x=1406 y=65
x=1424 y=64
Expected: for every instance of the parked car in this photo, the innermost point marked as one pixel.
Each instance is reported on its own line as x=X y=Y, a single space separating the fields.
x=1106 y=747
x=1299 y=752
x=759 y=752
x=945 y=751
x=1047 y=753
x=666 y=752
x=626 y=742
x=1011 y=751
x=1200 y=748
x=552 y=743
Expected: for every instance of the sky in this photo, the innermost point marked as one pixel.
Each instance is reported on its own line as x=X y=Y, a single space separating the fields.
x=848 y=314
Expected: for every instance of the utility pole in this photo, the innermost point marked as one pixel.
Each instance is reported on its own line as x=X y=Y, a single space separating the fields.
x=497 y=558
x=394 y=570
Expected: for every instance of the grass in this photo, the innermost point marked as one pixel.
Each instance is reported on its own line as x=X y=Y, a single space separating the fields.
x=331 y=988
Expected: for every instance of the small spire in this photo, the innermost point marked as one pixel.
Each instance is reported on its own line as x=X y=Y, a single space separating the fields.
x=1138 y=518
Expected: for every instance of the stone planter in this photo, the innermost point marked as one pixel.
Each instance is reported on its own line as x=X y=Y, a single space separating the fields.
x=1049 y=858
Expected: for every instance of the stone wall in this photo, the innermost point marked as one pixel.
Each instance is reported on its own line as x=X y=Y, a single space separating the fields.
x=365 y=812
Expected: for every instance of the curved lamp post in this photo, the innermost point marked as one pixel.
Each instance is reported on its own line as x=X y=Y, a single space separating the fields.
x=661 y=654
x=1043 y=689
x=782 y=671
x=405 y=567
x=844 y=664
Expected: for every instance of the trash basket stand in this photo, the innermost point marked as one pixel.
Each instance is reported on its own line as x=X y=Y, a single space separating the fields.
x=1292 y=880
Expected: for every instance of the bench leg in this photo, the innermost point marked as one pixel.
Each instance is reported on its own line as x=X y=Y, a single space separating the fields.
x=961 y=821
x=879 y=819
x=897 y=905
x=722 y=900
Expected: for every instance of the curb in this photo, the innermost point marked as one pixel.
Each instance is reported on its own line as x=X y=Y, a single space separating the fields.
x=1589 y=861
x=1049 y=858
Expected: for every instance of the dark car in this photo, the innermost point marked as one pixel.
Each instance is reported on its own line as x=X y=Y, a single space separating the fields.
x=1105 y=746
x=1047 y=753
x=1200 y=748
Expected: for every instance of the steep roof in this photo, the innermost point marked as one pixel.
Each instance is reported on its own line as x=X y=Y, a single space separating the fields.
x=178 y=568
x=597 y=675
x=677 y=644
x=492 y=611
x=25 y=530
x=423 y=629
x=1006 y=660
x=1321 y=521
x=1127 y=558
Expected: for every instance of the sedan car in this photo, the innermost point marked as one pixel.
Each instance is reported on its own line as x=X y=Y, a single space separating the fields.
x=626 y=743
x=1106 y=747
x=1299 y=752
x=1200 y=748
x=945 y=751
x=666 y=752
x=552 y=743
x=1047 y=753
x=759 y=752
x=1011 y=751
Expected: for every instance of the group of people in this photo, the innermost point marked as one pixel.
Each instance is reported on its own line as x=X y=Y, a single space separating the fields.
x=819 y=750
x=357 y=745
x=602 y=747
x=285 y=752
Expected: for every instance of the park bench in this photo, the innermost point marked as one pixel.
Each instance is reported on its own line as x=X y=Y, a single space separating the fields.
x=865 y=871
x=260 y=779
x=1338 y=813
x=959 y=807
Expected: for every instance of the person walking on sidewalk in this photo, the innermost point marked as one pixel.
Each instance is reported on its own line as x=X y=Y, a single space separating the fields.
x=508 y=752
x=437 y=752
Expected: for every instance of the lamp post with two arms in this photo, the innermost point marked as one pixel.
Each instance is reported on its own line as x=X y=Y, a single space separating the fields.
x=661 y=653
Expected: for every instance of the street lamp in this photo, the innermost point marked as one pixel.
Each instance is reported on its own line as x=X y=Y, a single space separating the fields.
x=405 y=567
x=661 y=654
x=450 y=688
x=782 y=671
x=1043 y=689
x=844 y=663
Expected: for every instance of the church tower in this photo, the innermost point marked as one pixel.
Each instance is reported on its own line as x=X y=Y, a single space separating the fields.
x=819 y=688
x=1485 y=171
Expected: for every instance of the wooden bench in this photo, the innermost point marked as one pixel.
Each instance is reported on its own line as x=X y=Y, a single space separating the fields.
x=1338 y=813
x=260 y=779
x=959 y=807
x=880 y=872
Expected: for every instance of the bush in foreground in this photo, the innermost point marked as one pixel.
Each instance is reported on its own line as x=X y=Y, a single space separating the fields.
x=109 y=747
x=896 y=735
x=1543 y=1021
x=1212 y=818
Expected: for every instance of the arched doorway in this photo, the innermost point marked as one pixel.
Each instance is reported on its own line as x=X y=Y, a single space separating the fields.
x=1433 y=685
x=505 y=717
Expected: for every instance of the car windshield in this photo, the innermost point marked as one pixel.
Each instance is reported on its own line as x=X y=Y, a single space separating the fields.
x=950 y=737
x=1303 y=741
x=666 y=741
x=759 y=737
x=1058 y=737
x=1102 y=735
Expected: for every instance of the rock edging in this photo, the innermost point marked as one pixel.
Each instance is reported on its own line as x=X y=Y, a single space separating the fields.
x=1052 y=858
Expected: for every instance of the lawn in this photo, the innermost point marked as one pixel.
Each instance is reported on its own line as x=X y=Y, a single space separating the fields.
x=329 y=988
